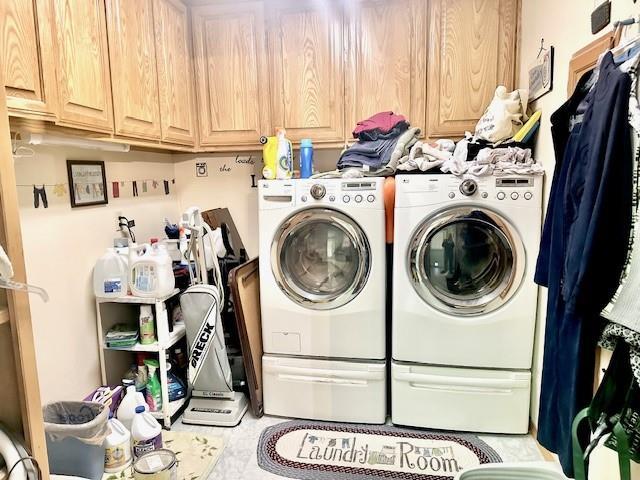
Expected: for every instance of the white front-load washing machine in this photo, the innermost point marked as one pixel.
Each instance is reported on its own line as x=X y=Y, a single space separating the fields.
x=322 y=290
x=464 y=301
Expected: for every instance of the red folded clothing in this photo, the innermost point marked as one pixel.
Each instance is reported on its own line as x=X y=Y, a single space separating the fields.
x=383 y=121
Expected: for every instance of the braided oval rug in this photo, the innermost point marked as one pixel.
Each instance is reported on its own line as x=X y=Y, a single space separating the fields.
x=310 y=450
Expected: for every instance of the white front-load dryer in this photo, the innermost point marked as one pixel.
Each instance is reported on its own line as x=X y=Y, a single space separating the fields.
x=464 y=300
x=323 y=293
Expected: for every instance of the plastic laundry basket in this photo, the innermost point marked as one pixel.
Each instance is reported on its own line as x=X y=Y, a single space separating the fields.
x=513 y=471
x=75 y=433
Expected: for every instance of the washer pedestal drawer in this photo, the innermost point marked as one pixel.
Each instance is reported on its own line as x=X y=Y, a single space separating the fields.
x=463 y=399
x=321 y=389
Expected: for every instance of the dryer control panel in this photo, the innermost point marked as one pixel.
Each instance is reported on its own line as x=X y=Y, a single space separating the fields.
x=353 y=193
x=348 y=193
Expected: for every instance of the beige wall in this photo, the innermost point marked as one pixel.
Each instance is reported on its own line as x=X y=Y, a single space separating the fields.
x=565 y=25
x=61 y=246
x=228 y=184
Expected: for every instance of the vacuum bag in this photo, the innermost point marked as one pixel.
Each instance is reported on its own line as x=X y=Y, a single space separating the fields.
x=209 y=370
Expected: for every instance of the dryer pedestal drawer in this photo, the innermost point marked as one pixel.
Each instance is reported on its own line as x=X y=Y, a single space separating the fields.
x=464 y=399
x=320 y=389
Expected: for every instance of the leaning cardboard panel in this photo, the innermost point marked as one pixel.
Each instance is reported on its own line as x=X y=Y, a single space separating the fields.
x=245 y=289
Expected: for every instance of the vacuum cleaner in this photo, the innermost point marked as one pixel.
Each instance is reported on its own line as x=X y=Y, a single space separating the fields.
x=213 y=400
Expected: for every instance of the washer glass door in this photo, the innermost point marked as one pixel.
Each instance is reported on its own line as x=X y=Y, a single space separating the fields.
x=320 y=258
x=466 y=261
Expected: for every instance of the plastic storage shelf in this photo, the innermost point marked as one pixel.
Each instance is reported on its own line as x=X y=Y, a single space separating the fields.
x=111 y=367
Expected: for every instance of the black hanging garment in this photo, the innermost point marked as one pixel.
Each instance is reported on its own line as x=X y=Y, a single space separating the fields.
x=584 y=245
x=40 y=194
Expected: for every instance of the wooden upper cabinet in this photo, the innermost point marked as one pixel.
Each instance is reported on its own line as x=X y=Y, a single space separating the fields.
x=231 y=77
x=136 y=105
x=387 y=59
x=27 y=54
x=175 y=72
x=472 y=49
x=306 y=50
x=82 y=65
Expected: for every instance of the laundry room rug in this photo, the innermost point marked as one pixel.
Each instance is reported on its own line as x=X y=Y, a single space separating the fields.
x=196 y=455
x=341 y=451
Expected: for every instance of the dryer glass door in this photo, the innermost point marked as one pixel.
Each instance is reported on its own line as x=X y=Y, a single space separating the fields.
x=320 y=258
x=466 y=261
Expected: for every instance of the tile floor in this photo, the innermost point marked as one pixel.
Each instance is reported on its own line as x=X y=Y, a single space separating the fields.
x=239 y=461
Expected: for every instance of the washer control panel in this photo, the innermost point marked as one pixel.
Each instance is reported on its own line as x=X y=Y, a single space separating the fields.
x=521 y=190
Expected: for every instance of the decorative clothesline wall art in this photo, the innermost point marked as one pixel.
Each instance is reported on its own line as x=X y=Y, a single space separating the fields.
x=61 y=189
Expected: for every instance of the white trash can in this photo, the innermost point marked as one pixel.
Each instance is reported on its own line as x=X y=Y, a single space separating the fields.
x=513 y=471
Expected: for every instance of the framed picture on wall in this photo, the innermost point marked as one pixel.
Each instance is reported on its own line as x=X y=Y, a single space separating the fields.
x=87 y=183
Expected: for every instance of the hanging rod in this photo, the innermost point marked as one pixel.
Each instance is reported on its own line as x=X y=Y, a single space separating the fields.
x=626 y=22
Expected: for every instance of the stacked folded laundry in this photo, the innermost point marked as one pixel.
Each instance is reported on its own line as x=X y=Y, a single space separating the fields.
x=382 y=139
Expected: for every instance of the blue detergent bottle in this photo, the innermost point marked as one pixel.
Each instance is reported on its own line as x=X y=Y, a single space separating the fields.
x=306 y=158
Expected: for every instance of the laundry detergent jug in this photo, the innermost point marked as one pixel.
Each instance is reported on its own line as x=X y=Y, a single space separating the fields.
x=151 y=271
x=146 y=433
x=269 y=157
x=110 y=276
x=284 y=168
x=117 y=454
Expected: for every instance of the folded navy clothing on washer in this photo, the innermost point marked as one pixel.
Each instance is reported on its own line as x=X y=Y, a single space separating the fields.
x=380 y=134
x=377 y=154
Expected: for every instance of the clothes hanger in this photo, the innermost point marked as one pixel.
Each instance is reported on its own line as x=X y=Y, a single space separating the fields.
x=6 y=273
x=620 y=26
x=20 y=151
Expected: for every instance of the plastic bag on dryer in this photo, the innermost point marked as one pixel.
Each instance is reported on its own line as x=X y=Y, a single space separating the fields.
x=504 y=116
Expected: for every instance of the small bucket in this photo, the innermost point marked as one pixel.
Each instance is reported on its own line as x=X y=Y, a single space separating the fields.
x=157 y=465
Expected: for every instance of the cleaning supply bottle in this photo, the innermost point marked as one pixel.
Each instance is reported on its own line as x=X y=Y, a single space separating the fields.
x=269 y=157
x=183 y=245
x=142 y=375
x=147 y=325
x=117 y=455
x=128 y=405
x=154 y=391
x=146 y=433
x=306 y=158
x=175 y=386
x=284 y=168
x=110 y=276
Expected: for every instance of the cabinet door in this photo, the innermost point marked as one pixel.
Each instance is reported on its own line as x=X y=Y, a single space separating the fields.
x=472 y=50
x=233 y=95
x=307 y=69
x=387 y=61
x=26 y=55
x=175 y=72
x=136 y=106
x=82 y=66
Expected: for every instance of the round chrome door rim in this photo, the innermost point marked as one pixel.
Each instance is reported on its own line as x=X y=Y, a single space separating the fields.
x=300 y=296
x=457 y=305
